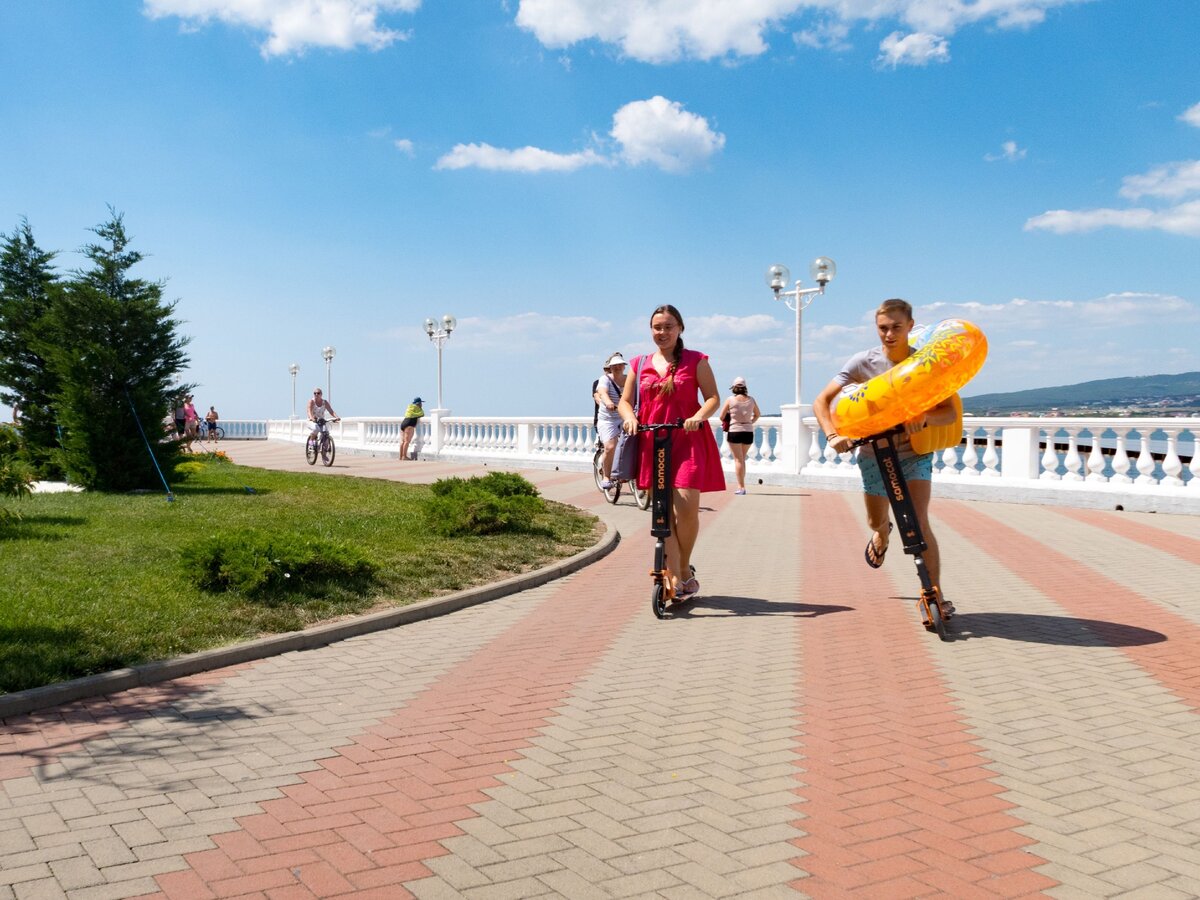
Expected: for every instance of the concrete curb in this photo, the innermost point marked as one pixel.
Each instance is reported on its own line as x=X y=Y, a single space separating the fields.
x=21 y=702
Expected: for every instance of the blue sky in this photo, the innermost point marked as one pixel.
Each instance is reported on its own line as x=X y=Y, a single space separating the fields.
x=549 y=171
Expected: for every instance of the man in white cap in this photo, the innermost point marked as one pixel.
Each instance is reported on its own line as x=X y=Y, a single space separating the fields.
x=607 y=395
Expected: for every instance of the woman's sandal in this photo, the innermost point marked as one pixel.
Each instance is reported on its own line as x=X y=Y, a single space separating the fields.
x=875 y=557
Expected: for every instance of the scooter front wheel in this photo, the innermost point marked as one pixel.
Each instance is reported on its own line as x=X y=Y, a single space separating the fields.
x=934 y=620
x=658 y=601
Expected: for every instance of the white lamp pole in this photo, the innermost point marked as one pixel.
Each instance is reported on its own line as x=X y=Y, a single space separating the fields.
x=294 y=370
x=328 y=354
x=822 y=269
x=439 y=334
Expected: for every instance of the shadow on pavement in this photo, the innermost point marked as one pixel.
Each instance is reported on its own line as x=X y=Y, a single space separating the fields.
x=1060 y=630
x=752 y=606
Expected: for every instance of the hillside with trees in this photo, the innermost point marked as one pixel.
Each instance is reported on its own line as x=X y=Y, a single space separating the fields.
x=1137 y=395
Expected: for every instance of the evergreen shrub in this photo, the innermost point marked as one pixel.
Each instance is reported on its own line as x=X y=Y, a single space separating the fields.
x=257 y=563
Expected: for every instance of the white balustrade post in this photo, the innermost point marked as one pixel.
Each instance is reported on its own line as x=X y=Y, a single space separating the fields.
x=970 y=456
x=524 y=439
x=1020 y=458
x=792 y=438
x=1095 y=460
x=1073 y=462
x=1120 y=462
x=436 y=438
x=991 y=459
x=1145 y=460
x=1172 y=465
x=1050 y=458
x=362 y=436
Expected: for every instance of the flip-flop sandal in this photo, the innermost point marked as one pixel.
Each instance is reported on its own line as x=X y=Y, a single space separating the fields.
x=878 y=554
x=687 y=589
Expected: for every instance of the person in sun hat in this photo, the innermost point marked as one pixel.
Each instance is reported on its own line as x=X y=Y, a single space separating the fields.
x=408 y=426
x=740 y=411
x=607 y=394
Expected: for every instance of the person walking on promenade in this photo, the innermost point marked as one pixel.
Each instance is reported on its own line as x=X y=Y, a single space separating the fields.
x=408 y=425
x=893 y=322
x=742 y=410
x=608 y=418
x=677 y=383
x=191 y=421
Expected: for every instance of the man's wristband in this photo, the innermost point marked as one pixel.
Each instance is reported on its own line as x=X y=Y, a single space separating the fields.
x=830 y=437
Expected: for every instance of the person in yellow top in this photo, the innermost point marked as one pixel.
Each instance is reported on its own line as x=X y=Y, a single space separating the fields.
x=408 y=427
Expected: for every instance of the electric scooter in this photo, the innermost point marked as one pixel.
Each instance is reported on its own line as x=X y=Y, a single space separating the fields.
x=935 y=612
x=663 y=591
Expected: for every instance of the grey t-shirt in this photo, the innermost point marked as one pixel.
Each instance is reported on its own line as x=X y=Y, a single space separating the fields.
x=861 y=368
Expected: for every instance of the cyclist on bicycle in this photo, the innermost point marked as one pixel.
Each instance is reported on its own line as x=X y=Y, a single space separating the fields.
x=319 y=410
x=608 y=419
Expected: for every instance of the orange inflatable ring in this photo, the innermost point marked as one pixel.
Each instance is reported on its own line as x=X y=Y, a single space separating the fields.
x=950 y=355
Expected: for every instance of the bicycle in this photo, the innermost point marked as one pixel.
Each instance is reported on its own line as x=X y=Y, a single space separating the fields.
x=208 y=431
x=612 y=494
x=935 y=612
x=320 y=442
x=662 y=591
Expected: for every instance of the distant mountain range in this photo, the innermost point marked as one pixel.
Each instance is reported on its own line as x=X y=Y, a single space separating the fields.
x=1144 y=391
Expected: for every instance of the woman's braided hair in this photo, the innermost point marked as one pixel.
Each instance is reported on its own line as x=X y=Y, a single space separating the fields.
x=668 y=383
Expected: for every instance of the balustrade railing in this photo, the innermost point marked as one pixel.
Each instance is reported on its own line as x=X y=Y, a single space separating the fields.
x=1134 y=463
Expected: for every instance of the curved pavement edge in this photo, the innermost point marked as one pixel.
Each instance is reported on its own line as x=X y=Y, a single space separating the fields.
x=33 y=699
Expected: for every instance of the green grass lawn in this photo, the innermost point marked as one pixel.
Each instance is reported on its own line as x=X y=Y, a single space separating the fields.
x=93 y=582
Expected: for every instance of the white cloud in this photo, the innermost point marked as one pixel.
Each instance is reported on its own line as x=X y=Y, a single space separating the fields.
x=661 y=31
x=917 y=49
x=524 y=159
x=1172 y=181
x=657 y=131
x=662 y=132
x=657 y=30
x=404 y=145
x=1181 y=219
x=828 y=34
x=1009 y=152
x=753 y=327
x=1128 y=308
x=1191 y=115
x=293 y=25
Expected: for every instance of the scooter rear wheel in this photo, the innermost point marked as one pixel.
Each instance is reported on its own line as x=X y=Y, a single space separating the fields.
x=658 y=601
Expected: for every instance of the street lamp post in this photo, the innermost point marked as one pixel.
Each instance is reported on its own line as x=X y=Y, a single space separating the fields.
x=822 y=269
x=328 y=354
x=439 y=334
x=294 y=370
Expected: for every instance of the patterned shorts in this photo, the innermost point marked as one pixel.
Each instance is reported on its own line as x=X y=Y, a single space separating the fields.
x=915 y=468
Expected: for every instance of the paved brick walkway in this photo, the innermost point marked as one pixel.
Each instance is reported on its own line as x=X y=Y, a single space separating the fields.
x=795 y=732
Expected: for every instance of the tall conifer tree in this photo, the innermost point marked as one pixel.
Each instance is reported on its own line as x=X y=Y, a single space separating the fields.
x=113 y=344
x=28 y=288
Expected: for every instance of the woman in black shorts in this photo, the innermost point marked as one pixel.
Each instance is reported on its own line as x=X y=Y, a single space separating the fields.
x=408 y=426
x=742 y=411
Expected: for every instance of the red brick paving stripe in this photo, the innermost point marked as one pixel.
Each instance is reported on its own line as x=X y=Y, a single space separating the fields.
x=431 y=753
x=1180 y=545
x=897 y=799
x=1114 y=613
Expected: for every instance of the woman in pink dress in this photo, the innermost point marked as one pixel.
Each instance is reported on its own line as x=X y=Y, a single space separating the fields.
x=671 y=385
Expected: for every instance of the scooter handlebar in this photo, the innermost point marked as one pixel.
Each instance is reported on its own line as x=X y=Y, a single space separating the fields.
x=661 y=426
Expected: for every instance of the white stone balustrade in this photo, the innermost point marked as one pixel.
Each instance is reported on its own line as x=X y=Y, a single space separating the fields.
x=1065 y=461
